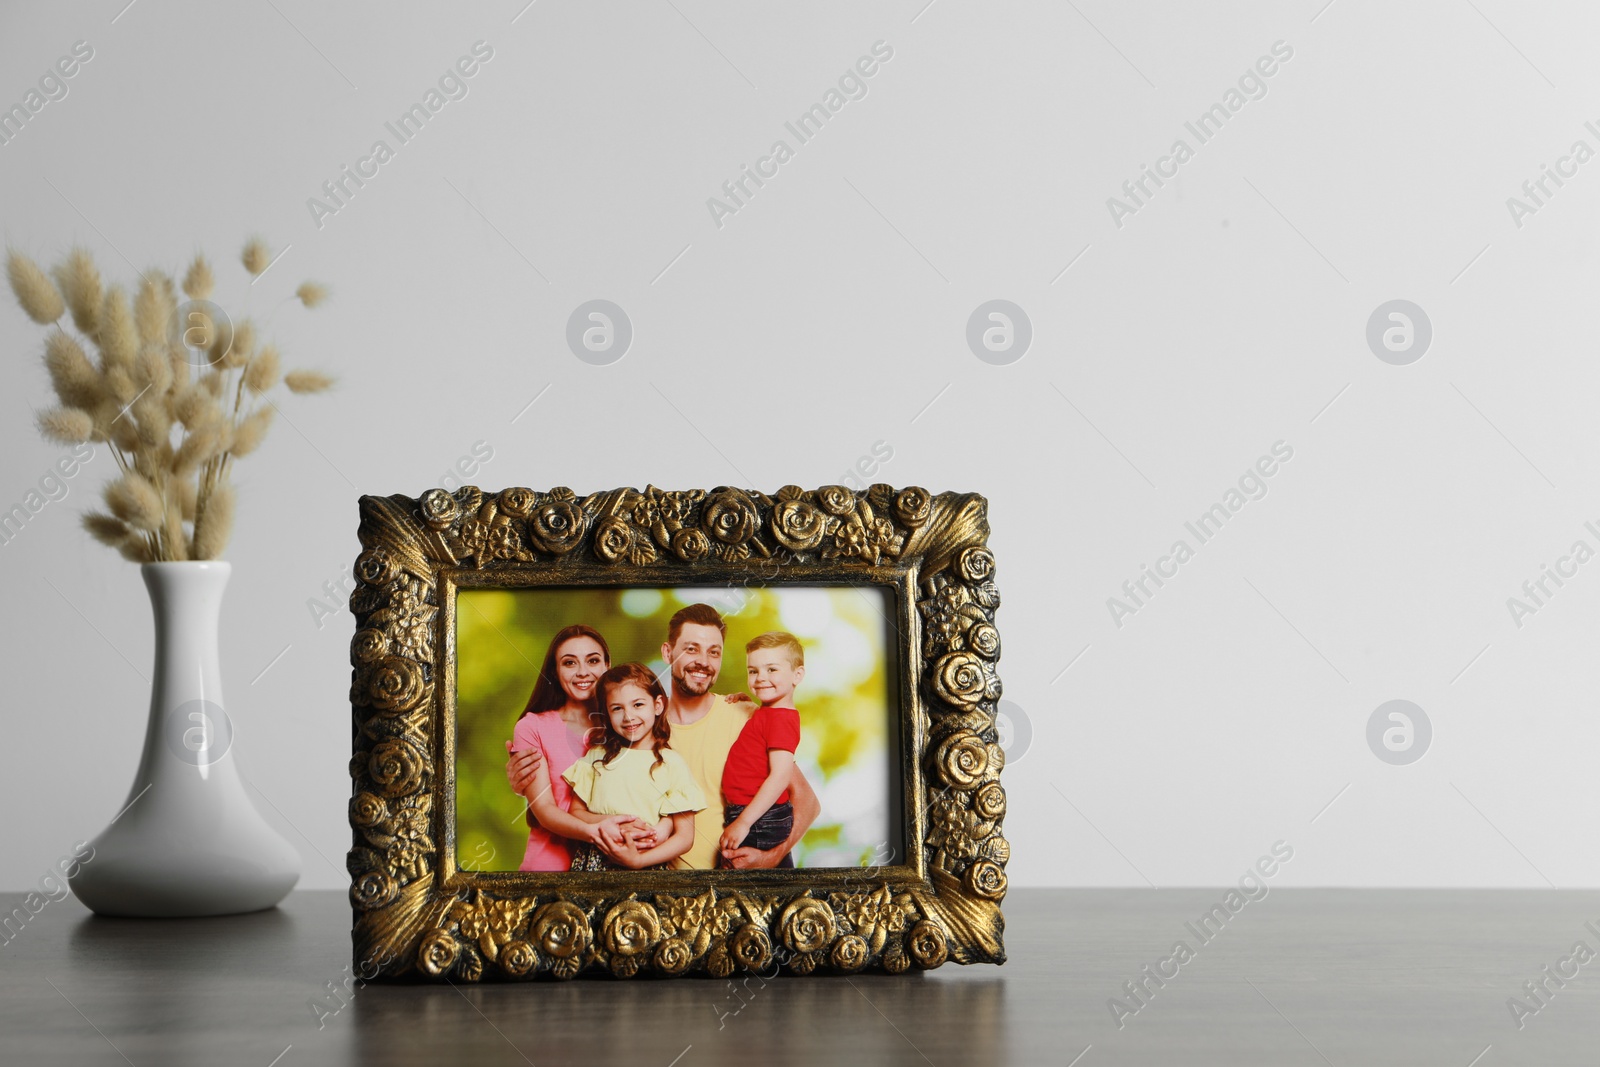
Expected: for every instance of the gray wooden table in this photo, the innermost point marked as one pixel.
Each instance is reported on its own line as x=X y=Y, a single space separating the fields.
x=1357 y=977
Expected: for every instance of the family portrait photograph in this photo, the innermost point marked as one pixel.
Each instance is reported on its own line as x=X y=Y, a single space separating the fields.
x=675 y=728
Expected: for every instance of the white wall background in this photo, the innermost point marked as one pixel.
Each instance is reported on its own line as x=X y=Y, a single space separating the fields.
x=830 y=313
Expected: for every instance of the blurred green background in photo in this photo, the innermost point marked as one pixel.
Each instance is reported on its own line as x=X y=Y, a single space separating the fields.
x=847 y=701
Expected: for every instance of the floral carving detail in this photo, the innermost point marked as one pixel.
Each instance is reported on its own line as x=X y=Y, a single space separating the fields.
x=518 y=958
x=850 y=953
x=695 y=919
x=368 y=645
x=487 y=921
x=730 y=516
x=963 y=759
x=836 y=500
x=960 y=678
x=683 y=915
x=719 y=961
x=411 y=823
x=396 y=767
x=376 y=567
x=806 y=925
x=862 y=534
x=673 y=956
x=407 y=620
x=690 y=545
x=556 y=527
x=439 y=509
x=950 y=612
x=927 y=945
x=874 y=915
x=984 y=639
x=561 y=930
x=913 y=506
x=367 y=810
x=373 y=889
x=986 y=879
x=953 y=828
x=404 y=857
x=976 y=564
x=849 y=539
x=996 y=848
x=750 y=947
x=397 y=685
x=518 y=502
x=798 y=525
x=612 y=540
x=437 y=952
x=990 y=801
x=631 y=927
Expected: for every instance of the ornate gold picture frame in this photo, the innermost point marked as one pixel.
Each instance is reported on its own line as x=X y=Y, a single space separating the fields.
x=417 y=913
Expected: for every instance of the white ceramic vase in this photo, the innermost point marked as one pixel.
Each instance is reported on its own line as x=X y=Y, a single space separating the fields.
x=189 y=842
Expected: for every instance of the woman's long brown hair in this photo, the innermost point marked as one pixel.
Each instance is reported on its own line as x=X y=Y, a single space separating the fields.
x=643 y=677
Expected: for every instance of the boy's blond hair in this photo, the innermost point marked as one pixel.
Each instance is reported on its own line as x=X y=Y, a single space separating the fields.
x=779 y=639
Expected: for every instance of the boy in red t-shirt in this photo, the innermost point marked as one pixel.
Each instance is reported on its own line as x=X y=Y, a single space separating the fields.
x=755 y=779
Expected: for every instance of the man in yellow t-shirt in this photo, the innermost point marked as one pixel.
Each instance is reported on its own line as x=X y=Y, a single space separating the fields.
x=704 y=727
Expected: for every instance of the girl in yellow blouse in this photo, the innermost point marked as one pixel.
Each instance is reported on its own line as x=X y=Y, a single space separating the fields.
x=633 y=772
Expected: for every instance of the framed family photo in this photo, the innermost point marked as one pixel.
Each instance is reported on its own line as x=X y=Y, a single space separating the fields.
x=686 y=732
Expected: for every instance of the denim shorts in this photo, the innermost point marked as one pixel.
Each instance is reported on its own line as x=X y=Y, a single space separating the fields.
x=769 y=831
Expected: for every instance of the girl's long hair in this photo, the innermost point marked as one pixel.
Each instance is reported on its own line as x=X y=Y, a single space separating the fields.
x=643 y=677
x=547 y=692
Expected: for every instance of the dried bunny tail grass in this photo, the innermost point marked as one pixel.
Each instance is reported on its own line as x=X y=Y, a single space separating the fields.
x=264 y=370
x=105 y=413
x=198 y=282
x=311 y=293
x=196 y=407
x=255 y=256
x=174 y=546
x=214 y=383
x=245 y=339
x=67 y=426
x=135 y=501
x=120 y=385
x=79 y=279
x=124 y=432
x=136 y=550
x=226 y=351
x=106 y=529
x=308 y=381
x=251 y=429
x=34 y=290
x=152 y=367
x=76 y=381
x=188 y=490
x=199 y=447
x=118 y=337
x=153 y=412
x=214 y=525
x=182 y=369
x=153 y=306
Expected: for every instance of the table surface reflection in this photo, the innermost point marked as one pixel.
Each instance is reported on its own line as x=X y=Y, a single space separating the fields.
x=1299 y=977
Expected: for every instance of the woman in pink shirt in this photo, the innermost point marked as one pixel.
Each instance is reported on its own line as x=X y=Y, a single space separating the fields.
x=560 y=713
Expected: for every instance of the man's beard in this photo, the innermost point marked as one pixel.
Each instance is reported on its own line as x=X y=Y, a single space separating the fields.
x=684 y=686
